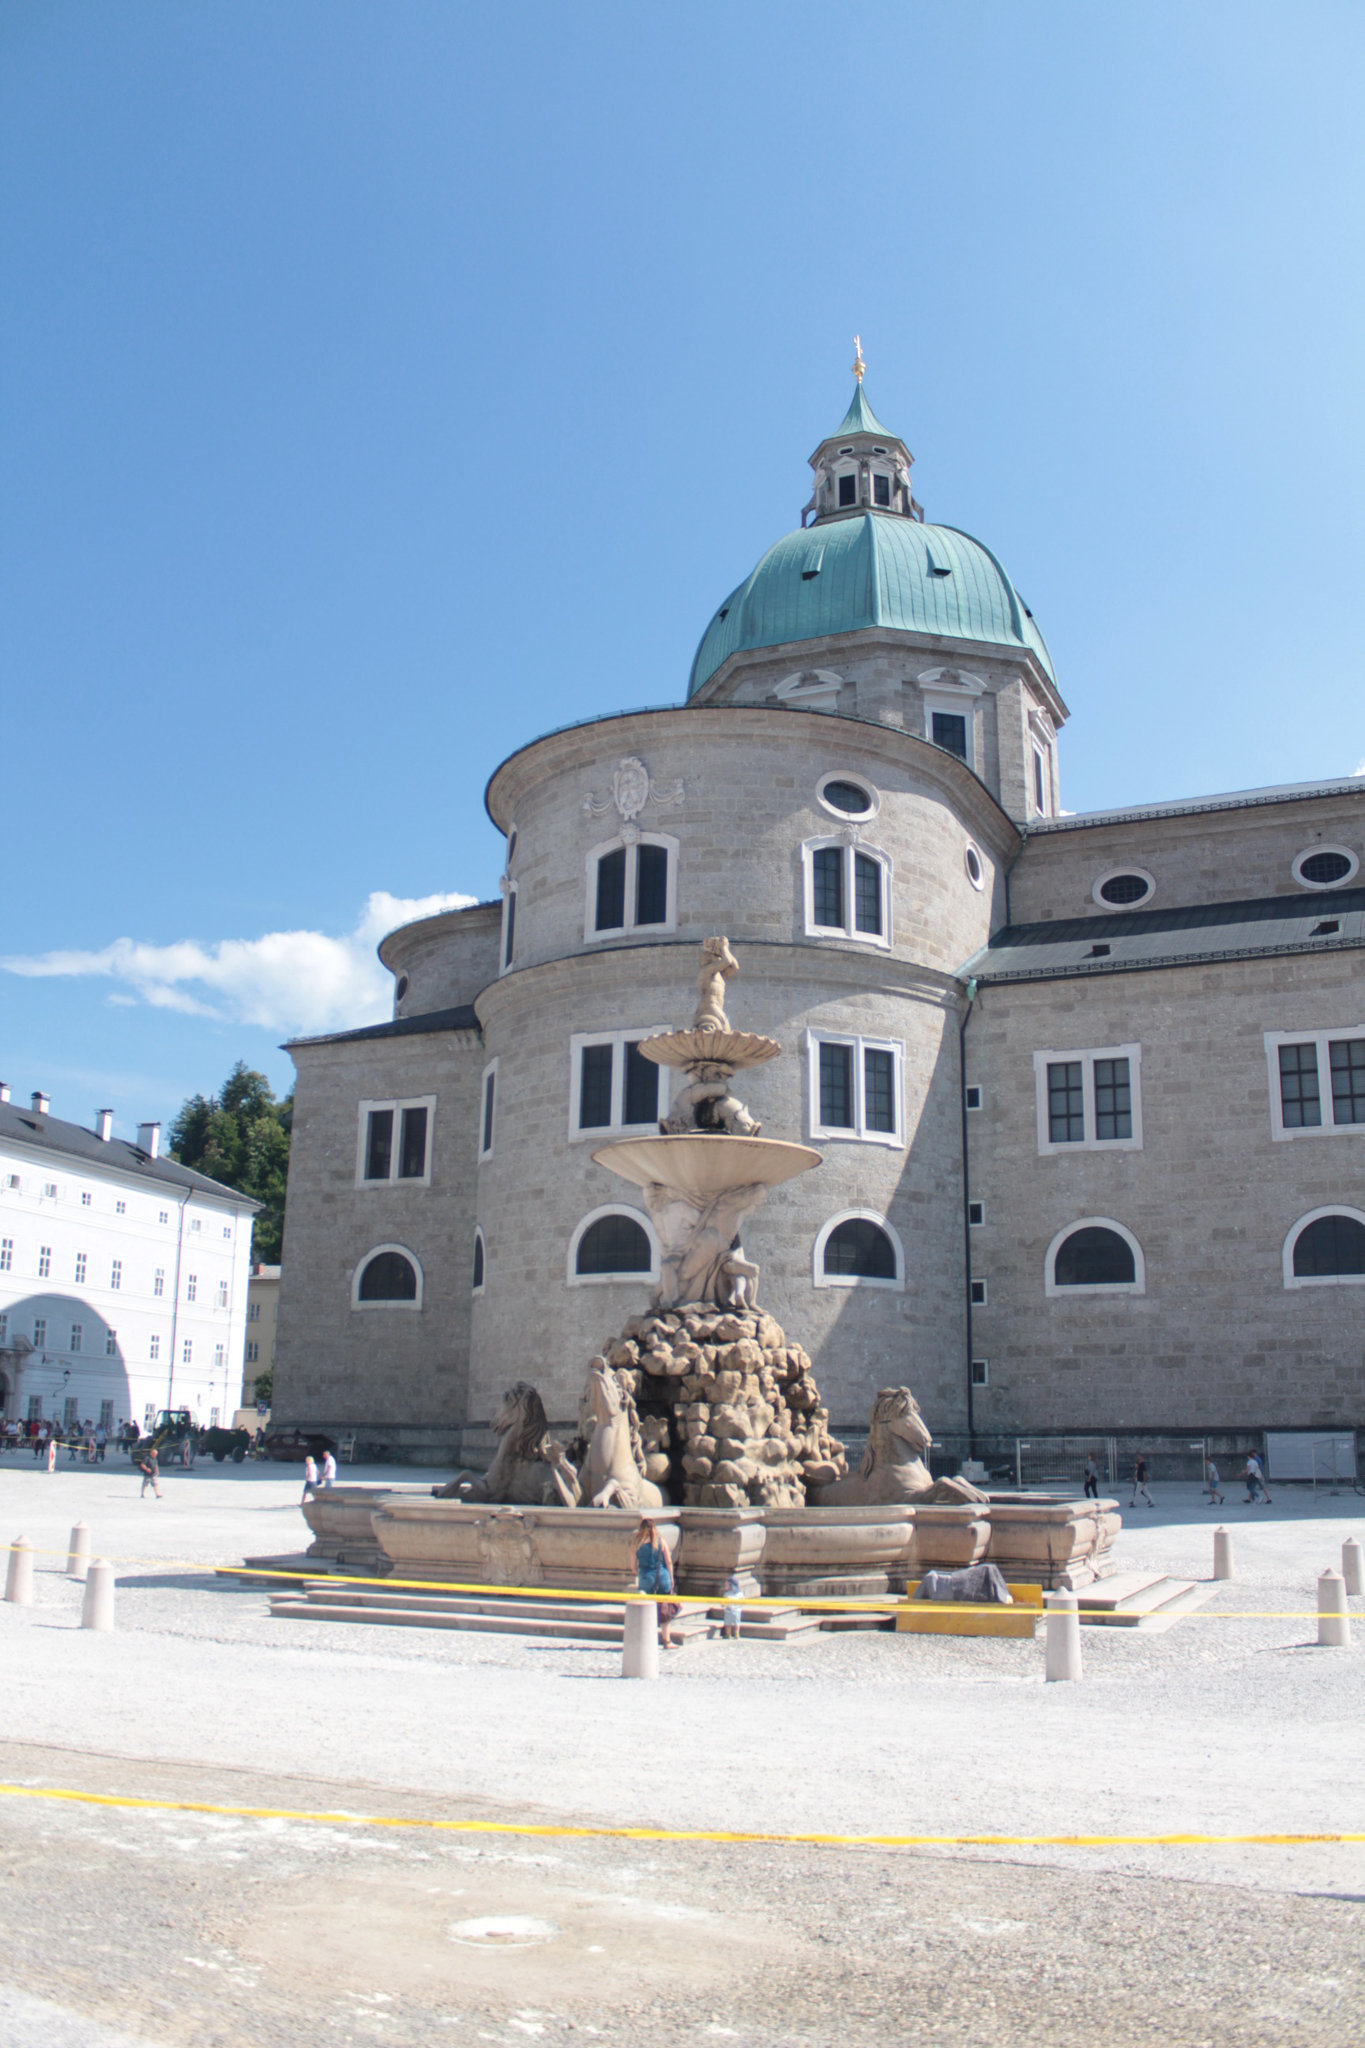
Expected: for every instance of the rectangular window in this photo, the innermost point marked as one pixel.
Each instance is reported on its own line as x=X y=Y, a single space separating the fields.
x=213 y=1418
x=611 y=891
x=981 y=1372
x=855 y=1089
x=6 y=1254
x=379 y=1145
x=187 y=1354
x=192 y=1288
x=77 y=1336
x=253 y=1352
x=651 y=885
x=828 y=867
x=116 y=1275
x=4 y=1329
x=159 y=1282
x=612 y=1086
x=1089 y=1100
x=121 y=1209
x=154 y=1349
x=1348 y=1080
x=163 y=1216
x=50 y=1190
x=222 y=1294
x=881 y=489
x=848 y=490
x=412 y=1149
x=1065 y=1103
x=35 y=1407
x=106 y=1414
x=486 y=1114
x=44 y=1261
x=253 y=1311
x=394 y=1141
x=219 y=1356
x=1039 y=780
x=71 y=1412
x=1113 y=1100
x=972 y=1096
x=867 y=884
x=978 y=1294
x=111 y=1343
x=80 y=1268
x=39 y=1332
x=1317 y=1082
x=976 y=1213
x=509 y=928
x=149 y=1417
x=227 y=1230
x=949 y=731
x=197 y=1223
x=85 y=1201
x=836 y=1086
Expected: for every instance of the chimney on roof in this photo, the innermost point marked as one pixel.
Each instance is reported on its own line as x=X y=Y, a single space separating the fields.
x=149 y=1139
x=4 y=1091
x=104 y=1124
x=41 y=1103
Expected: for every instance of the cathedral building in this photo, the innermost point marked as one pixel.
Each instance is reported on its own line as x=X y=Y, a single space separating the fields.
x=1089 y=1090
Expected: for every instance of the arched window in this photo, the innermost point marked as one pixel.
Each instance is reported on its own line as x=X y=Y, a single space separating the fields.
x=613 y=1244
x=388 y=1277
x=479 y=1262
x=1326 y=1248
x=848 y=891
x=1094 y=1256
x=632 y=887
x=859 y=1248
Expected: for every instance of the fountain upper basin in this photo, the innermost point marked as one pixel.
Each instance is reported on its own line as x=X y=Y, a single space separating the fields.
x=702 y=1164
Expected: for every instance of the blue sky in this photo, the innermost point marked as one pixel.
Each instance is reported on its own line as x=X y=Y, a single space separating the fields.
x=383 y=386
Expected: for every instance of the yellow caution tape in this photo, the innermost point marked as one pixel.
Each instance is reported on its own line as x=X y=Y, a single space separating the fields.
x=639 y=1834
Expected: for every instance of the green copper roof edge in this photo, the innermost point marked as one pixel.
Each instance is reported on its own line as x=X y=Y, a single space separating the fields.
x=860 y=419
x=1025 y=625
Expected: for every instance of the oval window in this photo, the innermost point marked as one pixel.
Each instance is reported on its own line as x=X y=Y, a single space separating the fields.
x=1323 y=867
x=1125 y=889
x=976 y=874
x=402 y=988
x=847 y=799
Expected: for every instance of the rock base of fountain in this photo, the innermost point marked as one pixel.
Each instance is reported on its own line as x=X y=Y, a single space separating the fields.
x=729 y=1409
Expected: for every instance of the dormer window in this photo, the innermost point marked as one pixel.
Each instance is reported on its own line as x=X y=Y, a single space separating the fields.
x=881 y=489
x=848 y=490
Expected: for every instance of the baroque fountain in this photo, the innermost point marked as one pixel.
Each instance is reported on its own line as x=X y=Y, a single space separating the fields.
x=704 y=1415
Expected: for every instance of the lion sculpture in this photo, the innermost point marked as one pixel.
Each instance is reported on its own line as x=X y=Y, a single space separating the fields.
x=519 y=1474
x=893 y=1470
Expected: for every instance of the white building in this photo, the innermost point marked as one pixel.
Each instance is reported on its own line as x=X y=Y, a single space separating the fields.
x=123 y=1276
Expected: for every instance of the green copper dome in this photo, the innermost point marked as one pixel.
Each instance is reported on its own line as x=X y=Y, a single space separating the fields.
x=871 y=569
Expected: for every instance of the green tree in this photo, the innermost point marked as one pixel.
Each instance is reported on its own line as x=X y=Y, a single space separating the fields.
x=240 y=1136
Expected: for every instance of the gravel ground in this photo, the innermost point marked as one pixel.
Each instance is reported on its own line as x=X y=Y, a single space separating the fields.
x=1219 y=1725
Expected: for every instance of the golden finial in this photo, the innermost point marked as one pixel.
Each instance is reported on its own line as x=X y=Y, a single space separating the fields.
x=858 y=364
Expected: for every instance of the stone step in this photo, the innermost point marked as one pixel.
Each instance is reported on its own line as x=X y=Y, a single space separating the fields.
x=1153 y=1608
x=1107 y=1594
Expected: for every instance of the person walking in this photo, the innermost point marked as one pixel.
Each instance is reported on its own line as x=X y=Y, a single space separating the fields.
x=1092 y=1480
x=147 y=1466
x=1140 y=1482
x=1255 y=1479
x=329 y=1469
x=1212 y=1483
x=310 y=1478
x=654 y=1575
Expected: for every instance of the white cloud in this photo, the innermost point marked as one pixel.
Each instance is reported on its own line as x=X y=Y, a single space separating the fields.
x=284 y=981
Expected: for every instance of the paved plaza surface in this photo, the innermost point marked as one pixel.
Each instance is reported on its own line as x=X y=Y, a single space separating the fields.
x=144 y=1925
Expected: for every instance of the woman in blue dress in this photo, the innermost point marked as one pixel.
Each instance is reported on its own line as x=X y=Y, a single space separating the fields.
x=654 y=1574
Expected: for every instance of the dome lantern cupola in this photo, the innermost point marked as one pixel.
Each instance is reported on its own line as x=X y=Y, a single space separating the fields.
x=862 y=466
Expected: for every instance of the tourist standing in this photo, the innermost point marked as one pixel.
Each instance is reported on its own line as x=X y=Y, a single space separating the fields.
x=654 y=1575
x=1140 y=1482
x=52 y=1453
x=329 y=1469
x=147 y=1466
x=1255 y=1479
x=730 y=1613
x=1212 y=1482
x=101 y=1441
x=1092 y=1480
x=310 y=1478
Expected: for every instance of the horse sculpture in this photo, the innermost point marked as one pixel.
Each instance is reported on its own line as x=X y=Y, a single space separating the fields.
x=613 y=1470
x=519 y=1473
x=893 y=1470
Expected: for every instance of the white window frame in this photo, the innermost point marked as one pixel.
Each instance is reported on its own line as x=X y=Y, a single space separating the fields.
x=576 y=1279
x=397 y=1104
x=506 y=963
x=632 y=847
x=972 y=852
x=617 y=1040
x=1042 y=754
x=1087 y=1057
x=815 y=689
x=1329 y=1127
x=1342 y=881
x=857 y=1132
x=1293 y=1279
x=1137 y=1285
x=959 y=702
x=481 y=1243
x=859 y=781
x=820 y=1278
x=490 y=1072
x=848 y=844
x=981 y=1366
x=1127 y=867
x=363 y=1261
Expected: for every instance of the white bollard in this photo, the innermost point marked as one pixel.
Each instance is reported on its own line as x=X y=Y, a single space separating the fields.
x=1222 y=1553
x=1353 y=1566
x=19 y=1577
x=78 y=1552
x=1334 y=1622
x=97 y=1607
x=640 y=1644
x=1063 y=1657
